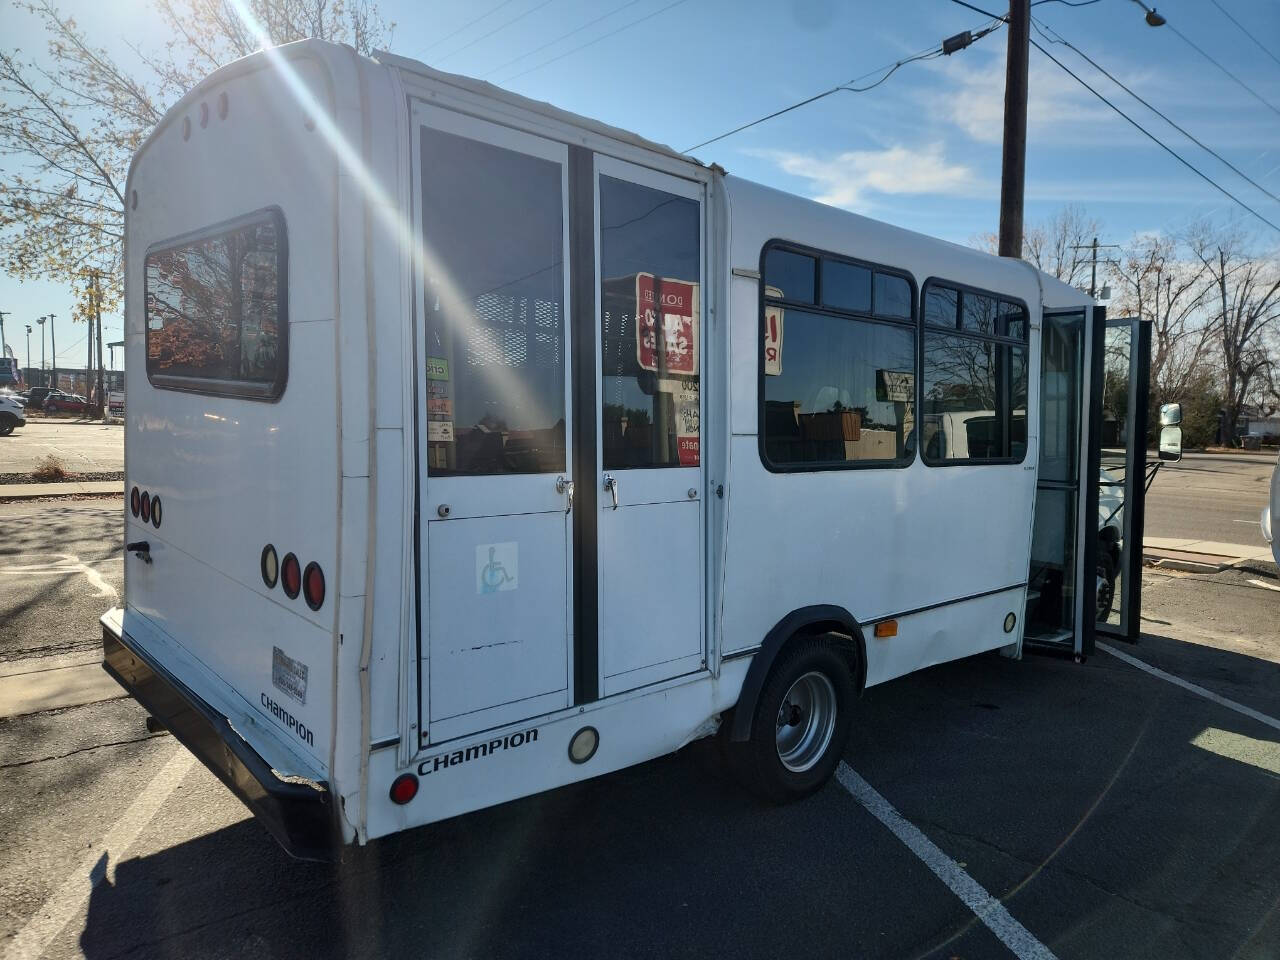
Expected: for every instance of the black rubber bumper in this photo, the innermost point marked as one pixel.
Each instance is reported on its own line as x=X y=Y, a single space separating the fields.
x=300 y=815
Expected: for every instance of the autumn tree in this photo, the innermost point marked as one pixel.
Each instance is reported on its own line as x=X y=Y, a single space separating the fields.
x=1056 y=244
x=1243 y=297
x=1158 y=279
x=69 y=125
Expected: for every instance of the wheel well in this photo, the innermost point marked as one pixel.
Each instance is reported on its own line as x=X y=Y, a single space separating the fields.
x=806 y=622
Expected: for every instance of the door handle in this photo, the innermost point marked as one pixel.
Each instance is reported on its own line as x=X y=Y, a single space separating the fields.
x=566 y=487
x=611 y=485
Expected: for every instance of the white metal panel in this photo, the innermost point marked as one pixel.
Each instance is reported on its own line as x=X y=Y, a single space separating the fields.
x=498 y=634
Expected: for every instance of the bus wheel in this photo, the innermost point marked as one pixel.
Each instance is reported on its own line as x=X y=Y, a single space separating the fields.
x=800 y=725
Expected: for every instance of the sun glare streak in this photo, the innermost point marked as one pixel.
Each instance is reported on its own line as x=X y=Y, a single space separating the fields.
x=436 y=278
x=1263 y=754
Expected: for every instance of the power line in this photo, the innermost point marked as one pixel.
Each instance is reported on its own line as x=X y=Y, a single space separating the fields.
x=1252 y=92
x=589 y=43
x=1134 y=123
x=498 y=29
x=1245 y=31
x=468 y=25
x=1040 y=28
x=888 y=70
x=563 y=36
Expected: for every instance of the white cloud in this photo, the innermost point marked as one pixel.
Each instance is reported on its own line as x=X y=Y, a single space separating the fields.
x=845 y=179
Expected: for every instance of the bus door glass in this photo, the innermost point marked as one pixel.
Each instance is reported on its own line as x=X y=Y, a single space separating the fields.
x=1122 y=476
x=493 y=404
x=649 y=266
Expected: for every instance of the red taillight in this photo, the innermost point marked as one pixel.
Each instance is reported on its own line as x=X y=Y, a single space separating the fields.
x=135 y=501
x=404 y=788
x=144 y=508
x=155 y=512
x=313 y=586
x=290 y=575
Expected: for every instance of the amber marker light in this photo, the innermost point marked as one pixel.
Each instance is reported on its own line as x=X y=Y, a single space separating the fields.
x=887 y=628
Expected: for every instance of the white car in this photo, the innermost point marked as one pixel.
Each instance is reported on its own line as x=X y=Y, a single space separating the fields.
x=12 y=414
x=1270 y=510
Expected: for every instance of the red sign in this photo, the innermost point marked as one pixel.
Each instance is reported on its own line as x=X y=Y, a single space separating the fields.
x=667 y=333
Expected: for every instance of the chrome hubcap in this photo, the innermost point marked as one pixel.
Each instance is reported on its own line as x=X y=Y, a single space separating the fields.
x=1104 y=597
x=806 y=721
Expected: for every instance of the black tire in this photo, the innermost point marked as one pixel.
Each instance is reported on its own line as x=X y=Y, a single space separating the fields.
x=757 y=763
x=1107 y=583
x=7 y=424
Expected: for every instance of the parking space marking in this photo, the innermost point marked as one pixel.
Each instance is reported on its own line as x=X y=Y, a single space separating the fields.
x=1192 y=687
x=985 y=907
x=1265 y=585
x=69 y=899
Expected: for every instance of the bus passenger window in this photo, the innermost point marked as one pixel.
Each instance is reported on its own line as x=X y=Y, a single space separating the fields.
x=839 y=384
x=974 y=378
x=792 y=274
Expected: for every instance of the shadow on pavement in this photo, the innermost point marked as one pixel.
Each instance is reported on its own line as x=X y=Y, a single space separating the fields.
x=1077 y=794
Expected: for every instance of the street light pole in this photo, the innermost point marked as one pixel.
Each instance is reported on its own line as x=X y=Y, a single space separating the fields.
x=1013 y=169
x=3 y=314
x=28 y=348
x=53 y=348
x=43 y=372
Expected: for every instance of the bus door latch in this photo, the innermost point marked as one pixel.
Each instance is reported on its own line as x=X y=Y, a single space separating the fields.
x=611 y=485
x=565 y=487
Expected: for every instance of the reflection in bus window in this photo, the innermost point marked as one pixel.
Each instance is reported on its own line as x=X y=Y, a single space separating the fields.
x=214 y=310
x=493 y=235
x=650 y=310
x=845 y=392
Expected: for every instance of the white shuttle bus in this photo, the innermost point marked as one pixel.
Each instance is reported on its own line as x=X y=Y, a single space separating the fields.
x=474 y=448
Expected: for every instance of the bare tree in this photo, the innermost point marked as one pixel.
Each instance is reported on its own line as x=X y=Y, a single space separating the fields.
x=1159 y=280
x=1244 y=298
x=1056 y=245
x=69 y=128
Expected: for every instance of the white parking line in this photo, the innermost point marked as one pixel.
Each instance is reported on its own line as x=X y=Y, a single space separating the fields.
x=69 y=899
x=1265 y=585
x=1192 y=687
x=987 y=908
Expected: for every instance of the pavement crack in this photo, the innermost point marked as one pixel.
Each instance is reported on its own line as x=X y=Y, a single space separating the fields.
x=79 y=750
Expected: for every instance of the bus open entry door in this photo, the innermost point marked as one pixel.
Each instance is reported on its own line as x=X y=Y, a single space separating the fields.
x=1086 y=557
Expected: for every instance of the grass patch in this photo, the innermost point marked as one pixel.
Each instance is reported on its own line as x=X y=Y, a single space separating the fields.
x=49 y=470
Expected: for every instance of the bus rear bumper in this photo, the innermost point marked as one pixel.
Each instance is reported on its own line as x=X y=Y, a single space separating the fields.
x=300 y=815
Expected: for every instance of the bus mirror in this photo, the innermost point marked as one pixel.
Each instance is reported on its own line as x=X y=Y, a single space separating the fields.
x=1170 y=414
x=1171 y=443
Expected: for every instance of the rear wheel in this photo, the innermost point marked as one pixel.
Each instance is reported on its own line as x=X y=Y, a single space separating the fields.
x=7 y=424
x=801 y=723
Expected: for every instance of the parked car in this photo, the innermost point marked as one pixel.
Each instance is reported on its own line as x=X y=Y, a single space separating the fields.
x=59 y=402
x=34 y=397
x=12 y=414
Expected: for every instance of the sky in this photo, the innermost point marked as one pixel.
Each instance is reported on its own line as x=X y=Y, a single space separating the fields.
x=921 y=150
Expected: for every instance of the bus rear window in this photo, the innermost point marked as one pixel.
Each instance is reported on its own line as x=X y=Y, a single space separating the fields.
x=216 y=312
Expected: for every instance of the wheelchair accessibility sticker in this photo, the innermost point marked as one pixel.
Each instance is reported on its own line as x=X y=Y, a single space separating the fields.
x=497 y=567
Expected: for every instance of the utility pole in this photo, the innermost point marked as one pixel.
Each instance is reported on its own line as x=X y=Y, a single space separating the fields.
x=1095 y=246
x=28 y=348
x=44 y=375
x=97 y=315
x=1013 y=169
x=53 y=348
x=3 y=314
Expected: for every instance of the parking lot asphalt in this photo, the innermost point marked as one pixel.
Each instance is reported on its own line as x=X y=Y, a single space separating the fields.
x=81 y=446
x=1210 y=496
x=1110 y=812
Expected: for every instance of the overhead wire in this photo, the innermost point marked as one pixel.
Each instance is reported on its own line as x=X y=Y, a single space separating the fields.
x=589 y=43
x=1134 y=123
x=563 y=36
x=468 y=25
x=1245 y=30
x=888 y=70
x=1252 y=92
x=498 y=29
x=1041 y=28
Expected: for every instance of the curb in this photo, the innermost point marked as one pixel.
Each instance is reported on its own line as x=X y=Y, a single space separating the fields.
x=73 y=488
